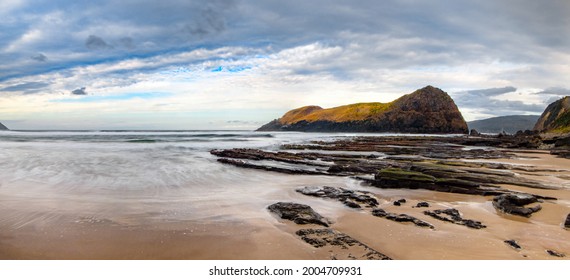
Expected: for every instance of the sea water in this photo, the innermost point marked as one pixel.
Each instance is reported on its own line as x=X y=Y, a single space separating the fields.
x=135 y=177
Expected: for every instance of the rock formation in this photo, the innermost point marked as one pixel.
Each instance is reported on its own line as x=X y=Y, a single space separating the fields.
x=2 y=127
x=298 y=213
x=427 y=110
x=556 y=117
x=514 y=204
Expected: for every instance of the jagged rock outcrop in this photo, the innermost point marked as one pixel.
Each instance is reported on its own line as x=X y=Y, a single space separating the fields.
x=350 y=198
x=298 y=213
x=514 y=204
x=556 y=117
x=2 y=127
x=427 y=110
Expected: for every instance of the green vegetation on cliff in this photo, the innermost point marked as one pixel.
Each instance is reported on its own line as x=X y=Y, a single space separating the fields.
x=556 y=117
x=426 y=110
x=352 y=112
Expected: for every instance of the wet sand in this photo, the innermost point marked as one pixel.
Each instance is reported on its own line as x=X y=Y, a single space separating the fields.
x=75 y=236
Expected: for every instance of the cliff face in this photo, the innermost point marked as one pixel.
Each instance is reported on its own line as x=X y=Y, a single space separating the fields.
x=556 y=117
x=427 y=110
x=2 y=127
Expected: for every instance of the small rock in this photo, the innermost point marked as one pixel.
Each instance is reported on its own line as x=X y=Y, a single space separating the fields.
x=351 y=204
x=513 y=244
x=474 y=132
x=555 y=254
x=514 y=204
x=399 y=202
x=422 y=204
x=567 y=223
x=298 y=213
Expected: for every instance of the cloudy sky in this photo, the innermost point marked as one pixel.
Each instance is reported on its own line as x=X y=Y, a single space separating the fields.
x=236 y=64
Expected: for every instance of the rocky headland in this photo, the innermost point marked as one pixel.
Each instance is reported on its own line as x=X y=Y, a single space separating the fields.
x=3 y=127
x=426 y=110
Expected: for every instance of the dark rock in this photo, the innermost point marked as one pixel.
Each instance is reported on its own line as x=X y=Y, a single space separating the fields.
x=555 y=254
x=562 y=153
x=513 y=244
x=350 y=198
x=474 y=132
x=567 y=222
x=339 y=241
x=351 y=204
x=422 y=204
x=409 y=164
x=401 y=218
x=2 y=127
x=244 y=164
x=298 y=213
x=513 y=204
x=399 y=202
x=409 y=179
x=255 y=154
x=453 y=216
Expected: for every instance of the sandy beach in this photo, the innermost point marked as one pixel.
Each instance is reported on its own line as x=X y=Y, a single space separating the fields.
x=248 y=231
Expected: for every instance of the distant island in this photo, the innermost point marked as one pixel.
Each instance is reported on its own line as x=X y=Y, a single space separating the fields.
x=426 y=110
x=3 y=127
x=508 y=124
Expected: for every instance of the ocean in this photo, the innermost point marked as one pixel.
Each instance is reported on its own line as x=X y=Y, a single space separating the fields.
x=140 y=177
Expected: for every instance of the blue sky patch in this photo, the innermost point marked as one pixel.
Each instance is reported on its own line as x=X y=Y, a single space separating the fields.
x=119 y=97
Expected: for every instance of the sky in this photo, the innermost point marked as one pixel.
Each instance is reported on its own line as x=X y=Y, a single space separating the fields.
x=237 y=64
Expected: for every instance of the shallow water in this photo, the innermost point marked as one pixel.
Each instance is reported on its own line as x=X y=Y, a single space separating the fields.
x=138 y=177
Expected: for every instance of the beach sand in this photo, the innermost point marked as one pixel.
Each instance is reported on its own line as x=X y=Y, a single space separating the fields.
x=70 y=236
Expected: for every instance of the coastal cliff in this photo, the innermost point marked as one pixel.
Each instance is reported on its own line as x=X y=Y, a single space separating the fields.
x=556 y=117
x=426 y=110
x=3 y=127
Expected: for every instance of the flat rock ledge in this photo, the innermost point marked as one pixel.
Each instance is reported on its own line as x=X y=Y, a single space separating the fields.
x=453 y=216
x=339 y=242
x=401 y=218
x=350 y=198
x=514 y=204
x=298 y=213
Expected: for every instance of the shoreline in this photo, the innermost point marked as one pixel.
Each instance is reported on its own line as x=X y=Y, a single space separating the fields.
x=248 y=231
